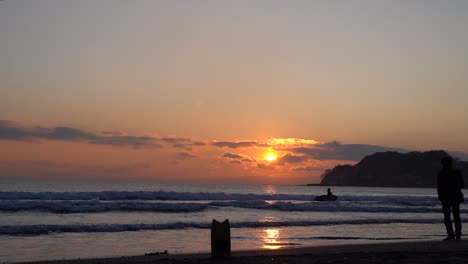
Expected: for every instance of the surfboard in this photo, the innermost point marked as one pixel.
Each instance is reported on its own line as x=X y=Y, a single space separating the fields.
x=322 y=198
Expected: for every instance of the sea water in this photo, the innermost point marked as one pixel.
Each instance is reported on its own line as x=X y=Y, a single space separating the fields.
x=43 y=221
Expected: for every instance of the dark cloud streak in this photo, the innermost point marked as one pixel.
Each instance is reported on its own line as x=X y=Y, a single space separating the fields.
x=182 y=143
x=338 y=151
x=123 y=141
x=234 y=145
x=231 y=156
x=290 y=158
x=186 y=156
x=13 y=131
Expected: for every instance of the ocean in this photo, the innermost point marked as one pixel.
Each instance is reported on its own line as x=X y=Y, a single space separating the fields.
x=44 y=221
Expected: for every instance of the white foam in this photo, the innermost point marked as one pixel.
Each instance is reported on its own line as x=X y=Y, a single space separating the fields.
x=47 y=229
x=97 y=206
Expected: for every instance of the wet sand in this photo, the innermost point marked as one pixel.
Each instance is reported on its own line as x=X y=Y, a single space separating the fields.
x=382 y=253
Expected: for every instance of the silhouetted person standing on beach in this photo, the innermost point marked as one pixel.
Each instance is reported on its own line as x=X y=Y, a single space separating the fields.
x=449 y=185
x=329 y=194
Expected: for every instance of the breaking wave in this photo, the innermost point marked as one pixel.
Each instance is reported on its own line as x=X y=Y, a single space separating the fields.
x=202 y=196
x=157 y=195
x=186 y=202
x=97 y=206
x=47 y=229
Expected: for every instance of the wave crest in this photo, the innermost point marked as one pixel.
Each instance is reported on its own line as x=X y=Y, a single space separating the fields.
x=47 y=229
x=97 y=206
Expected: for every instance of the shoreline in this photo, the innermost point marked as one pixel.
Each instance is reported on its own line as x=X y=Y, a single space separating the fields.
x=429 y=251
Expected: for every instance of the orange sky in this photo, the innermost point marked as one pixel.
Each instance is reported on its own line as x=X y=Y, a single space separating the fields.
x=61 y=156
x=374 y=75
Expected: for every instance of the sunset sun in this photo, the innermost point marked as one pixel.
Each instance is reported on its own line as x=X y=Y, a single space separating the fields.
x=270 y=157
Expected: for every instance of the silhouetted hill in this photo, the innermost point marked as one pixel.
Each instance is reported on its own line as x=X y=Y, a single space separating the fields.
x=392 y=169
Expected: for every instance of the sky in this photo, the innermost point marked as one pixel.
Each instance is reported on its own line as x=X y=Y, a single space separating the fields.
x=226 y=91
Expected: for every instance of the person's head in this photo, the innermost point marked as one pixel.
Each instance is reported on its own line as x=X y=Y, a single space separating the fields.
x=328 y=190
x=446 y=162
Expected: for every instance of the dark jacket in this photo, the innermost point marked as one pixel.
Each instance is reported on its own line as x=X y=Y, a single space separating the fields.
x=449 y=185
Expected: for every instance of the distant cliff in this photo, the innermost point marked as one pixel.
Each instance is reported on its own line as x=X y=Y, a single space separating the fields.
x=392 y=169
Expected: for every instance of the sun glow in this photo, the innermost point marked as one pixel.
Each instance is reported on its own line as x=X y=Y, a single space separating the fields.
x=291 y=141
x=270 y=157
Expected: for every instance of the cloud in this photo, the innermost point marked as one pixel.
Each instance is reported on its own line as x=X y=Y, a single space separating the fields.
x=236 y=162
x=127 y=141
x=290 y=158
x=8 y=123
x=66 y=133
x=337 y=151
x=175 y=140
x=113 y=133
x=186 y=156
x=279 y=143
x=264 y=166
x=182 y=143
x=13 y=130
x=10 y=130
x=234 y=145
x=231 y=156
x=182 y=146
x=298 y=150
x=308 y=168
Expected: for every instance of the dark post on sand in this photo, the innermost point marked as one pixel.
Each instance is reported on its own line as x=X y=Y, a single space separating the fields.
x=220 y=239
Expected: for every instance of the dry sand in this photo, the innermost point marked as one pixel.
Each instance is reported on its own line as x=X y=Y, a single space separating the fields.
x=383 y=253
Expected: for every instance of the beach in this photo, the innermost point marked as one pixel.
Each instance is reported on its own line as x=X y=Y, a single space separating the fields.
x=394 y=252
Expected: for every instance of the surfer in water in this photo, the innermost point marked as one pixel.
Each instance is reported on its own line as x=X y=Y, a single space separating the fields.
x=326 y=197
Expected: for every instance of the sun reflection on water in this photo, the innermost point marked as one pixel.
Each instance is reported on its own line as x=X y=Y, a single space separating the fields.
x=269 y=189
x=270 y=238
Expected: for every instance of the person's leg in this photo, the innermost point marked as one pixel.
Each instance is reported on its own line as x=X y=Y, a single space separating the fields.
x=456 y=218
x=446 y=207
